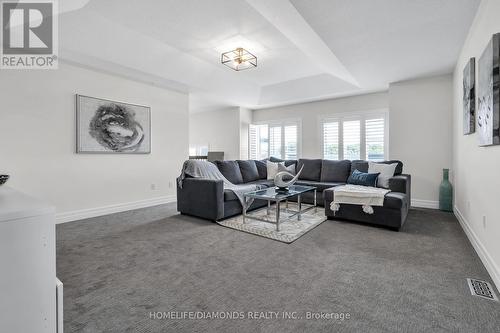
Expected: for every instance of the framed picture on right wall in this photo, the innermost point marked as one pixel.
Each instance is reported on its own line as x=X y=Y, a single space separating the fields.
x=488 y=113
x=469 y=97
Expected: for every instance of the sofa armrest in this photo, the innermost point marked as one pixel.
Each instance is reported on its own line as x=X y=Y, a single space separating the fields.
x=328 y=195
x=201 y=197
x=401 y=183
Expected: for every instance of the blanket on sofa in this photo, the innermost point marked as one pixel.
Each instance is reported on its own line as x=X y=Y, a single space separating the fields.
x=208 y=170
x=365 y=196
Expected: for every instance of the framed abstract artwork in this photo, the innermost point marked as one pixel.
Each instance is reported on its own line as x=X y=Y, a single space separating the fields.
x=488 y=113
x=469 y=97
x=105 y=126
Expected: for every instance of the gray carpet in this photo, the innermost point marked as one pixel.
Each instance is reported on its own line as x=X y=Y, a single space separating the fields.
x=120 y=268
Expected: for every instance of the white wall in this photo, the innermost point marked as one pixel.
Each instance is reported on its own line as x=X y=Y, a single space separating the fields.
x=220 y=129
x=309 y=113
x=420 y=133
x=476 y=184
x=245 y=121
x=38 y=133
x=223 y=130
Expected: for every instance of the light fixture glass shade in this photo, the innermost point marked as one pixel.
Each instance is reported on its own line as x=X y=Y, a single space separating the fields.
x=239 y=59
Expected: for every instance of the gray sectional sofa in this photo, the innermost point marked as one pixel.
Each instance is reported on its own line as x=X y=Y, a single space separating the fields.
x=207 y=198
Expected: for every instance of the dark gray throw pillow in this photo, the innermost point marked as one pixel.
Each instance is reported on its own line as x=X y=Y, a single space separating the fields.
x=248 y=170
x=230 y=170
x=335 y=171
x=362 y=178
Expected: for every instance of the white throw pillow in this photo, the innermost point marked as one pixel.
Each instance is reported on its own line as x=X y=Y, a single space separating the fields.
x=385 y=171
x=290 y=168
x=273 y=169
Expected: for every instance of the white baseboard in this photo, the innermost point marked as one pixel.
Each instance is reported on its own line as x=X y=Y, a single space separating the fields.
x=481 y=251
x=105 y=210
x=425 y=203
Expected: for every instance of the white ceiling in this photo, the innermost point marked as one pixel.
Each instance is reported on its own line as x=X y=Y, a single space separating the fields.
x=307 y=49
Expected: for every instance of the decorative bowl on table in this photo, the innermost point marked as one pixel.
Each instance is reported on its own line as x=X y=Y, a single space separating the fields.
x=3 y=179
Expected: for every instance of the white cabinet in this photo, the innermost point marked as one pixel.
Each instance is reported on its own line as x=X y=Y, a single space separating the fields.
x=27 y=264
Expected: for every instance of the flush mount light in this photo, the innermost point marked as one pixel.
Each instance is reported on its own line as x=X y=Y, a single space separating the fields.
x=239 y=59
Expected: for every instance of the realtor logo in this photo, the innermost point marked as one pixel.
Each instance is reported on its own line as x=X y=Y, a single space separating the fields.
x=29 y=34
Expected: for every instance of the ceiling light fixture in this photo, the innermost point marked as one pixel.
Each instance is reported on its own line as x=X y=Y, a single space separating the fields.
x=239 y=59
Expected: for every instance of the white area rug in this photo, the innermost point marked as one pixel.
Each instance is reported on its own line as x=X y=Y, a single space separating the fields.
x=290 y=230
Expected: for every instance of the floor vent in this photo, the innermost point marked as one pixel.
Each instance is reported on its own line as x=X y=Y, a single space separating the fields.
x=482 y=289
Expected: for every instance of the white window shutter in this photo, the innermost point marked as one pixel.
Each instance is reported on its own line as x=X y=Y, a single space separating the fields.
x=275 y=141
x=252 y=142
x=279 y=140
x=375 y=139
x=331 y=140
x=290 y=142
x=352 y=139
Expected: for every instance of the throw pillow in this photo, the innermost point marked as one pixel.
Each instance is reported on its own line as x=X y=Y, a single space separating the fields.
x=363 y=178
x=273 y=169
x=290 y=168
x=386 y=171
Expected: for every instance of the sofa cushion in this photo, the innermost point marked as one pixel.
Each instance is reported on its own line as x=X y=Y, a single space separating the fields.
x=320 y=186
x=229 y=195
x=395 y=200
x=262 y=169
x=335 y=171
x=312 y=169
x=230 y=170
x=248 y=171
x=286 y=162
x=363 y=178
x=363 y=166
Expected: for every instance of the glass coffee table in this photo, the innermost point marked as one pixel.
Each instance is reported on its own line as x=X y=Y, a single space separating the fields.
x=273 y=195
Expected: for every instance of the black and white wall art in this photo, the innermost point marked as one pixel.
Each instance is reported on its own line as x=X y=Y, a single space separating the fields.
x=105 y=126
x=469 y=97
x=488 y=112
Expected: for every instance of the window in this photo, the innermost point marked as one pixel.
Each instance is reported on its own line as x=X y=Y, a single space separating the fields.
x=352 y=140
x=331 y=140
x=355 y=136
x=277 y=139
x=290 y=142
x=198 y=150
x=375 y=139
x=258 y=142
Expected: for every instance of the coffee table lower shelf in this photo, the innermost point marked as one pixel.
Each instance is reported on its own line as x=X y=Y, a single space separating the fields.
x=278 y=198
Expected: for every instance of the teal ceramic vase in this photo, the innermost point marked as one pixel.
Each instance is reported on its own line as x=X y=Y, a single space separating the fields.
x=446 y=193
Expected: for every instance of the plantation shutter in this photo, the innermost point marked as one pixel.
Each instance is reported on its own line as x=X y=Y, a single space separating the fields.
x=252 y=142
x=375 y=139
x=290 y=141
x=331 y=140
x=352 y=139
x=275 y=141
